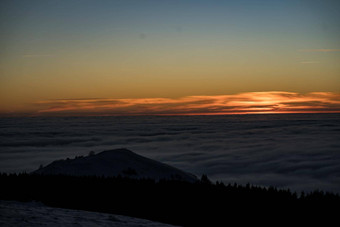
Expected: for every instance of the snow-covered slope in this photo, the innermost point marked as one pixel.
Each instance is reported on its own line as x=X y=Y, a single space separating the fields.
x=36 y=214
x=113 y=163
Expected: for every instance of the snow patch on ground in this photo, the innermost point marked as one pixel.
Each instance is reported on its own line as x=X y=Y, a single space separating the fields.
x=36 y=214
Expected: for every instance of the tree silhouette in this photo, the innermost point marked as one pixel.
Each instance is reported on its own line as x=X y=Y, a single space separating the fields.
x=205 y=179
x=171 y=201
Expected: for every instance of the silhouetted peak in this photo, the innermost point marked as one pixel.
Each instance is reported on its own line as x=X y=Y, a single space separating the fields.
x=119 y=151
x=117 y=162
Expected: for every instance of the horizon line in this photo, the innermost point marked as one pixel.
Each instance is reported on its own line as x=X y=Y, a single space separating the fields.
x=165 y=115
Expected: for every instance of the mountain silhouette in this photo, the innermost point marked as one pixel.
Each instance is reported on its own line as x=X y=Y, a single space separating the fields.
x=113 y=163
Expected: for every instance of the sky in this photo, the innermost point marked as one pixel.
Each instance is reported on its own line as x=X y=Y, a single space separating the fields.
x=80 y=57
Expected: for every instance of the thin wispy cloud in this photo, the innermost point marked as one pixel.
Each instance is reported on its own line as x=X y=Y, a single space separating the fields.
x=243 y=103
x=309 y=62
x=319 y=50
x=37 y=55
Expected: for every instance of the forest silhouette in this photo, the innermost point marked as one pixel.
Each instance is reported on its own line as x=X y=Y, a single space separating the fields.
x=169 y=201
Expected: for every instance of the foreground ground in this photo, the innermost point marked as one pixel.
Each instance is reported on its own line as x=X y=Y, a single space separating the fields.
x=36 y=214
x=174 y=202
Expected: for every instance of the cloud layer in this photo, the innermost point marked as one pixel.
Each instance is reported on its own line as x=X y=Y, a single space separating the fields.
x=298 y=151
x=243 y=103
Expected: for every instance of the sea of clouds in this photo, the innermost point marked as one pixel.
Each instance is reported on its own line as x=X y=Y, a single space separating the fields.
x=296 y=151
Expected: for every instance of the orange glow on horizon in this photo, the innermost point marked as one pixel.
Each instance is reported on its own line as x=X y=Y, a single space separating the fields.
x=243 y=103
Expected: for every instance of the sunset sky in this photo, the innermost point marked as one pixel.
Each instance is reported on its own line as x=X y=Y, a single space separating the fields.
x=116 y=57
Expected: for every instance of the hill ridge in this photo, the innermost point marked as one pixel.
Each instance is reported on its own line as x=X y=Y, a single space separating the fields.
x=116 y=162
